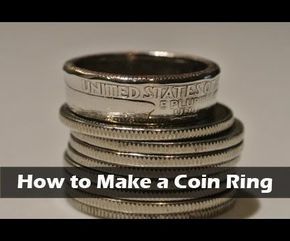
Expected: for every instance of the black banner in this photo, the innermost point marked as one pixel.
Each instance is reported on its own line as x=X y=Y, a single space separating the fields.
x=130 y=182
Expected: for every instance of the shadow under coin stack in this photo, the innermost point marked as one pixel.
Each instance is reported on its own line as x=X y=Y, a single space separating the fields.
x=155 y=110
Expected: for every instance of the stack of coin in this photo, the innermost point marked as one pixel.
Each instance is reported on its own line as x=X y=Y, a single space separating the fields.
x=152 y=110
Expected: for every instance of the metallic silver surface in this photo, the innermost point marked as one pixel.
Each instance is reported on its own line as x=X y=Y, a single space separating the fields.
x=153 y=109
x=228 y=138
x=151 y=195
x=146 y=195
x=76 y=158
x=156 y=160
x=103 y=213
x=142 y=103
x=220 y=119
x=157 y=207
x=140 y=87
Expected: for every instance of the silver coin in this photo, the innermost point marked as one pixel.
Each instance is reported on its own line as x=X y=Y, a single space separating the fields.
x=156 y=160
x=77 y=158
x=140 y=87
x=219 y=119
x=225 y=139
x=152 y=194
x=103 y=213
x=151 y=207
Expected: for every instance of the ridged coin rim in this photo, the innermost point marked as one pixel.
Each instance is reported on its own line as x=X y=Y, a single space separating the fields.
x=151 y=207
x=113 y=131
x=102 y=213
x=156 y=160
x=226 y=139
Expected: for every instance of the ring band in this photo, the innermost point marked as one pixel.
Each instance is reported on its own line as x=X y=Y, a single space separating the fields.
x=140 y=87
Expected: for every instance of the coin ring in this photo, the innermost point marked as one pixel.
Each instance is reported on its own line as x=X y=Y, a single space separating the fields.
x=140 y=87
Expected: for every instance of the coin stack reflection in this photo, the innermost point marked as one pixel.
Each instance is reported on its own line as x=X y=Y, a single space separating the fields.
x=207 y=135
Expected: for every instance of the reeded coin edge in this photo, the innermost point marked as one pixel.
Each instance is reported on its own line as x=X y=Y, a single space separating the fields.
x=177 y=147
x=95 y=128
x=138 y=159
x=86 y=161
x=125 y=205
x=102 y=213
